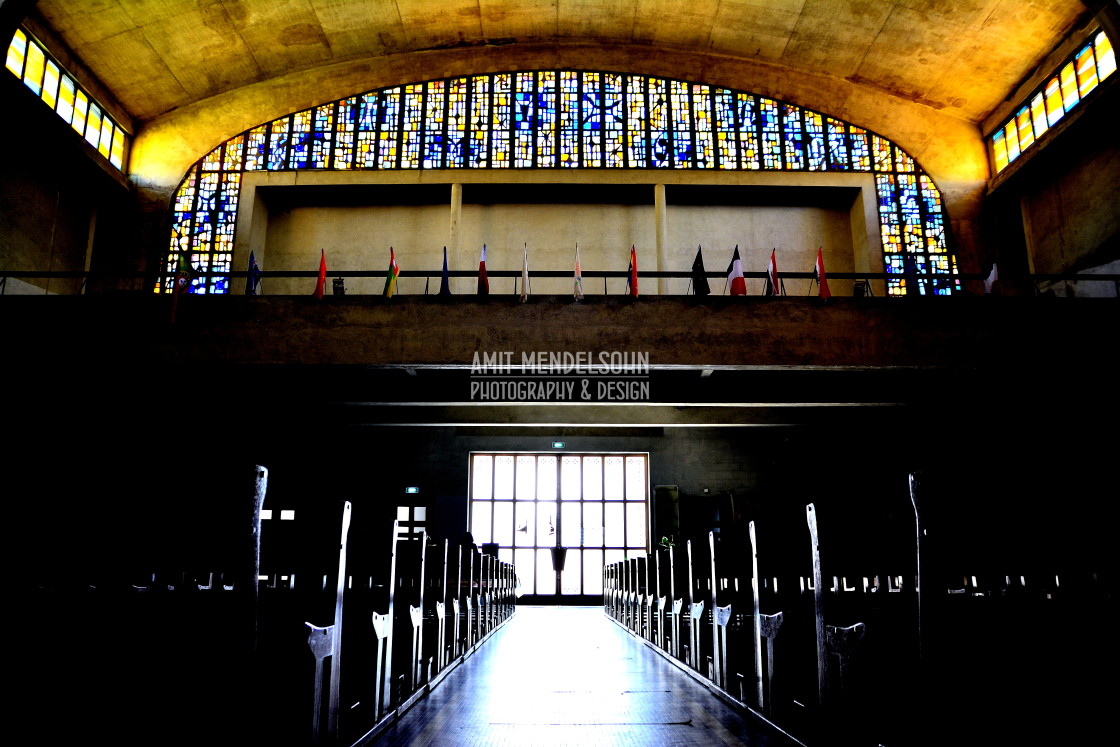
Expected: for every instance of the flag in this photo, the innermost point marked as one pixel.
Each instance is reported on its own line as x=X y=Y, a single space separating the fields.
x=735 y=275
x=699 y=279
x=990 y=281
x=322 y=281
x=525 y=275
x=910 y=272
x=632 y=273
x=254 y=278
x=391 y=275
x=772 y=286
x=184 y=276
x=483 y=280
x=822 y=281
x=578 y=292
x=444 y=284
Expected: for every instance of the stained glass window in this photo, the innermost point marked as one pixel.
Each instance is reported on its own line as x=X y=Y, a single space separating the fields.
x=29 y=61
x=549 y=119
x=1063 y=90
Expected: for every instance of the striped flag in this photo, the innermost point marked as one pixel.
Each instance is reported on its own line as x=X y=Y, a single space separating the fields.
x=735 y=275
x=773 y=288
x=391 y=275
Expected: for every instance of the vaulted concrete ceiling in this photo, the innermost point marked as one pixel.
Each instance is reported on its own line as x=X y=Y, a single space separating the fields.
x=961 y=56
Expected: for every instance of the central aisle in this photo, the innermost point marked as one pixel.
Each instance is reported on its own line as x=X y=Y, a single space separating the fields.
x=570 y=676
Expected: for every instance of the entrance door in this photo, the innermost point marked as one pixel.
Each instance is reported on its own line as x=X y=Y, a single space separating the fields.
x=596 y=506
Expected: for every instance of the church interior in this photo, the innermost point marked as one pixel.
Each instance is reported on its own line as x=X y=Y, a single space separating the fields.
x=775 y=329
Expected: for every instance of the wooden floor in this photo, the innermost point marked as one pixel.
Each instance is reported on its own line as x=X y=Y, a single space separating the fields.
x=537 y=683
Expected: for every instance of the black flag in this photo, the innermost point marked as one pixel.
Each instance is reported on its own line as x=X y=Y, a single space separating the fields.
x=699 y=279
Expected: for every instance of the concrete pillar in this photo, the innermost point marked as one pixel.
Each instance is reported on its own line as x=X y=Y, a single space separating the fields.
x=455 y=260
x=660 y=236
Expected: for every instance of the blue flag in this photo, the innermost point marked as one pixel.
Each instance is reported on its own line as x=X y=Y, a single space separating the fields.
x=254 y=278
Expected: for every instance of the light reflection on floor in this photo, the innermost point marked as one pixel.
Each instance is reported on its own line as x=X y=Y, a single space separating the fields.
x=570 y=676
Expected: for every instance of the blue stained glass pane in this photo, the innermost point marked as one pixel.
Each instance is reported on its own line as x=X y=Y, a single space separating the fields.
x=861 y=155
x=301 y=140
x=613 y=120
x=479 y=153
x=546 y=119
x=278 y=144
x=591 y=121
x=837 y=146
x=434 y=124
x=388 y=136
x=657 y=104
x=344 y=134
x=681 y=117
x=636 y=150
x=457 y=122
x=412 y=126
x=368 y=109
x=747 y=117
x=322 y=137
x=704 y=141
x=500 y=122
x=726 y=142
x=569 y=119
x=795 y=148
x=524 y=120
x=771 y=135
x=814 y=136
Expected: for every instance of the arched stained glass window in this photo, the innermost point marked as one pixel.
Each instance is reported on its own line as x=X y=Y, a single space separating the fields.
x=563 y=119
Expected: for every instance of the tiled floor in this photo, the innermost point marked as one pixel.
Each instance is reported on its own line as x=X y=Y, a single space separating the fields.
x=570 y=676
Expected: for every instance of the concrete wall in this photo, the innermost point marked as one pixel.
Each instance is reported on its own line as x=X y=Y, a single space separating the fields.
x=59 y=206
x=358 y=238
x=1057 y=208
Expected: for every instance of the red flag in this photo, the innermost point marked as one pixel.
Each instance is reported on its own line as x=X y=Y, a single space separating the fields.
x=632 y=279
x=772 y=276
x=822 y=281
x=483 y=280
x=322 y=274
x=735 y=275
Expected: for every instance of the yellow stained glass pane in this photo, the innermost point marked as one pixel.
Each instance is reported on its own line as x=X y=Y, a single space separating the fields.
x=106 y=137
x=81 y=106
x=1023 y=125
x=1086 y=71
x=1038 y=112
x=33 y=72
x=17 y=52
x=1012 y=140
x=116 y=153
x=50 y=84
x=1069 y=87
x=1106 y=57
x=999 y=147
x=1054 y=108
x=93 y=125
